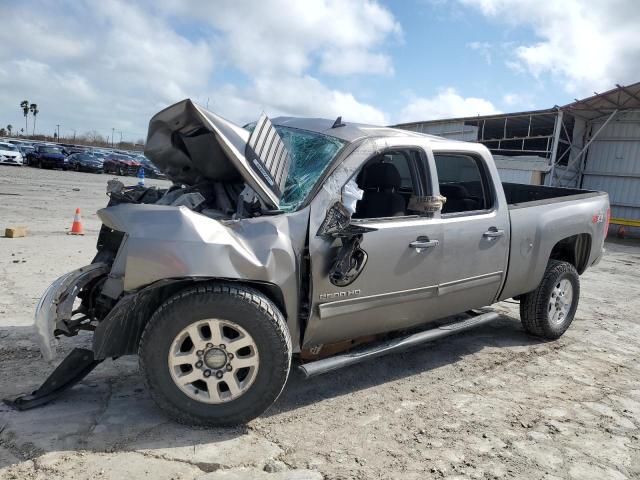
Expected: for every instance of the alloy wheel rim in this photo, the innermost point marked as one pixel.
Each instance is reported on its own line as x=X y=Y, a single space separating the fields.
x=560 y=301
x=213 y=360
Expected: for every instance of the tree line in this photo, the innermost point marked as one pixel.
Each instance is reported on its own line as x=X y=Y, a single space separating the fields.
x=90 y=138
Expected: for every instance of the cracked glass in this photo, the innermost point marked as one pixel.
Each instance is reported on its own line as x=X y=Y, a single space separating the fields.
x=311 y=154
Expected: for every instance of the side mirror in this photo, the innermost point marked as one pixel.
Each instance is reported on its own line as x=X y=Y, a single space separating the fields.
x=335 y=221
x=337 y=224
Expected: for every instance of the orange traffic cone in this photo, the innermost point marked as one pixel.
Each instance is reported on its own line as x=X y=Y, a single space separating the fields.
x=77 y=228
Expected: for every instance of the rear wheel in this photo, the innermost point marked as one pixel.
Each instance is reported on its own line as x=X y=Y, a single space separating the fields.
x=549 y=310
x=216 y=355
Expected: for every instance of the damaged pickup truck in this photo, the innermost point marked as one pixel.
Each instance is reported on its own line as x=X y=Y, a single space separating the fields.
x=326 y=242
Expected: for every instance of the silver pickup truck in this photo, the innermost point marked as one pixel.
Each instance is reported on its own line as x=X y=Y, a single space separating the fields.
x=323 y=241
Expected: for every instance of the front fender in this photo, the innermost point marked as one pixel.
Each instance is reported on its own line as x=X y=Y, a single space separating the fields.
x=166 y=242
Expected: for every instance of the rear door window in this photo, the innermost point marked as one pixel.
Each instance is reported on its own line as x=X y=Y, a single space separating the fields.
x=463 y=181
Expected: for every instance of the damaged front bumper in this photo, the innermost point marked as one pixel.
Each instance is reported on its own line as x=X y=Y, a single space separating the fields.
x=56 y=305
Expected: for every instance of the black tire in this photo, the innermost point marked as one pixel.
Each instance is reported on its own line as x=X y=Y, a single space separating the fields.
x=535 y=305
x=247 y=308
x=120 y=171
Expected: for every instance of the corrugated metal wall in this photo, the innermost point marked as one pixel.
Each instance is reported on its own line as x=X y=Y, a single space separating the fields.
x=511 y=169
x=613 y=164
x=450 y=130
x=524 y=169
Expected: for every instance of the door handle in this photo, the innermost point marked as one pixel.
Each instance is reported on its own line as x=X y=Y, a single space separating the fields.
x=493 y=232
x=422 y=243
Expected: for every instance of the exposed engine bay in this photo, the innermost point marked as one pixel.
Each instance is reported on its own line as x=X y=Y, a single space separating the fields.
x=215 y=200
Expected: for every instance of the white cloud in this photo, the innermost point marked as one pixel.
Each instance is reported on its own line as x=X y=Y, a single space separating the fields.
x=132 y=65
x=309 y=97
x=519 y=100
x=446 y=104
x=292 y=96
x=98 y=65
x=280 y=36
x=585 y=45
x=350 y=62
x=483 y=48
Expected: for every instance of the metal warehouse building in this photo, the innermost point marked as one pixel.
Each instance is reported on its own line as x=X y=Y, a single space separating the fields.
x=593 y=143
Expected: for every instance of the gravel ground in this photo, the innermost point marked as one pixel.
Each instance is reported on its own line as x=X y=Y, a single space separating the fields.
x=491 y=403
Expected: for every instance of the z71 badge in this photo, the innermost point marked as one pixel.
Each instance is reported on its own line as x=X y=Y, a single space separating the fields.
x=336 y=295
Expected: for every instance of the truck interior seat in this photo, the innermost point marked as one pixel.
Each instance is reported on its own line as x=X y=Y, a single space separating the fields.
x=381 y=182
x=458 y=199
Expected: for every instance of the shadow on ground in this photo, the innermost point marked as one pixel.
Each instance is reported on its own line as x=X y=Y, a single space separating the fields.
x=111 y=411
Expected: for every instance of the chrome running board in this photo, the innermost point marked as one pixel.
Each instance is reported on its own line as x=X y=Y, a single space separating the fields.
x=325 y=365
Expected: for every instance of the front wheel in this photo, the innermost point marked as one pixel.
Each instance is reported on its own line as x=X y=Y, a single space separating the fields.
x=548 y=311
x=216 y=355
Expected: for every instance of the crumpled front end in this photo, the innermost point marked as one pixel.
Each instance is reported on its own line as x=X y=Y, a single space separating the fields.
x=55 y=308
x=147 y=247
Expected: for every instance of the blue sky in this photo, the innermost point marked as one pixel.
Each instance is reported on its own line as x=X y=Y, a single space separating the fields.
x=94 y=66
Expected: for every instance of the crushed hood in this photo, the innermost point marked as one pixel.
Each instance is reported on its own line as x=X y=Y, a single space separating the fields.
x=191 y=144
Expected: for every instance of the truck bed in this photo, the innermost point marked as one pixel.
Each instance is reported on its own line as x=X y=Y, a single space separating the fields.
x=524 y=195
x=540 y=218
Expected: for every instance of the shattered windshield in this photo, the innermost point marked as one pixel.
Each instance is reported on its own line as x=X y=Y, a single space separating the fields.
x=311 y=154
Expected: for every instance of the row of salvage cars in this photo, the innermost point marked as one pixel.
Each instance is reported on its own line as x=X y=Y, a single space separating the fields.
x=76 y=157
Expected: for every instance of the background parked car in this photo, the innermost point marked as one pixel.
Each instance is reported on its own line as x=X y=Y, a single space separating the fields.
x=47 y=156
x=70 y=149
x=25 y=150
x=120 y=164
x=84 y=162
x=10 y=155
x=150 y=170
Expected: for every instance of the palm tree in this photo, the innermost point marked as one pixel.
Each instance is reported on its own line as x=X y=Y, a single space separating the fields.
x=9 y=128
x=22 y=131
x=25 y=111
x=35 y=111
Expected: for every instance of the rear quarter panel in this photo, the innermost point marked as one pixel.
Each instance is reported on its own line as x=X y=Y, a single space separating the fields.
x=536 y=227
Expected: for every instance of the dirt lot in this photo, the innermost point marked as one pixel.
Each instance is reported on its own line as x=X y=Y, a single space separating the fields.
x=493 y=403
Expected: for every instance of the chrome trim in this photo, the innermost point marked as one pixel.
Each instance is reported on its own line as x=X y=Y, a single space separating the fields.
x=325 y=365
x=351 y=305
x=464 y=283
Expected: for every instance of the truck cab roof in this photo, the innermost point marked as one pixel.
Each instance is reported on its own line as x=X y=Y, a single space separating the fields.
x=349 y=132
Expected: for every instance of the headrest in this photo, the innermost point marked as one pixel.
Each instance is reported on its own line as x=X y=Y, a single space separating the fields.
x=453 y=191
x=382 y=175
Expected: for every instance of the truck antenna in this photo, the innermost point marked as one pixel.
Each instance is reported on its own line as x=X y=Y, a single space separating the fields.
x=338 y=123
